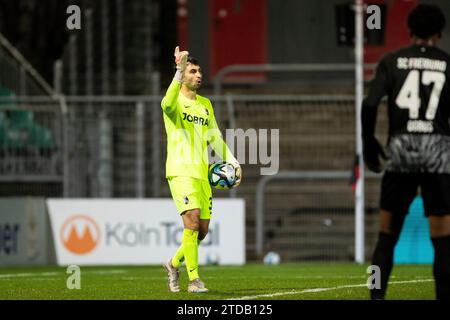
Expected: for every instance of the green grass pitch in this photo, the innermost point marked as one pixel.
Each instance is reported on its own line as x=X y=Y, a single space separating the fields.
x=290 y=281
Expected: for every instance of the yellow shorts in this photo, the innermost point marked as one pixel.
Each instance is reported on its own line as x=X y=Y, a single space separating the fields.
x=191 y=193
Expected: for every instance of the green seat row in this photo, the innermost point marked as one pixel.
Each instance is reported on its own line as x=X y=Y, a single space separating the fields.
x=18 y=129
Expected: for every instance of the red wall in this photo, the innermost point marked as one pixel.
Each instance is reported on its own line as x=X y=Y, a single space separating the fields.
x=237 y=35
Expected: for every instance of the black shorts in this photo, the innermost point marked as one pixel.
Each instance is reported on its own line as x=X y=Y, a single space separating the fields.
x=398 y=190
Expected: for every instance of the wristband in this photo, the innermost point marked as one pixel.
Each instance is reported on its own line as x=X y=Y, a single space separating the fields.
x=178 y=76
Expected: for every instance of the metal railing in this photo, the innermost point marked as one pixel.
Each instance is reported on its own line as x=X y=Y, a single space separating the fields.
x=85 y=119
x=114 y=146
x=295 y=67
x=301 y=176
x=19 y=75
x=80 y=130
x=284 y=175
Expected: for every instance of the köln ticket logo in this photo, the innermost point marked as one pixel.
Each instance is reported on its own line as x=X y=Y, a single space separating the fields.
x=80 y=234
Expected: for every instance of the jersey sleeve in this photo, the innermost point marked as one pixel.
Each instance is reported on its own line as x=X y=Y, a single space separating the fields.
x=215 y=140
x=169 y=102
x=378 y=89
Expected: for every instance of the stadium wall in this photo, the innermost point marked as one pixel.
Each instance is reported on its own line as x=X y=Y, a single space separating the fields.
x=25 y=237
x=304 y=31
x=38 y=231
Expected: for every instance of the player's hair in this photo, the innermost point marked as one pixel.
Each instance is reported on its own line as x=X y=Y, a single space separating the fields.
x=425 y=21
x=190 y=59
x=193 y=61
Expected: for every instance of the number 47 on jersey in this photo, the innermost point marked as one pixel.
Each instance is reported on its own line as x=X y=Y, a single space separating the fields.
x=409 y=97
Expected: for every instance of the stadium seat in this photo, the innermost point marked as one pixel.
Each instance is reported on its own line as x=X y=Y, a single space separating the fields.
x=21 y=119
x=41 y=137
x=3 y=126
x=19 y=129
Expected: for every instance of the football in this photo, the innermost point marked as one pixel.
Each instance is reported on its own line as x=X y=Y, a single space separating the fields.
x=212 y=259
x=222 y=175
x=272 y=258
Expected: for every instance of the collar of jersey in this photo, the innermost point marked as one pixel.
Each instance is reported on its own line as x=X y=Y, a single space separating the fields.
x=189 y=101
x=415 y=45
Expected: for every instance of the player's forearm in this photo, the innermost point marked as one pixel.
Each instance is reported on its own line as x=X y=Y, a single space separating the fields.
x=370 y=106
x=172 y=92
x=368 y=119
x=220 y=147
x=378 y=89
x=217 y=143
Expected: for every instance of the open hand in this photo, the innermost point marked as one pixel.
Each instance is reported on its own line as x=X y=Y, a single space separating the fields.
x=373 y=154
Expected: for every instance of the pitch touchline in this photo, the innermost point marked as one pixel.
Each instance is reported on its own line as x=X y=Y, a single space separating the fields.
x=40 y=274
x=45 y=274
x=269 y=295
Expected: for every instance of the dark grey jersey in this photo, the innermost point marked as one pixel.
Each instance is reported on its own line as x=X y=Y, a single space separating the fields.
x=416 y=81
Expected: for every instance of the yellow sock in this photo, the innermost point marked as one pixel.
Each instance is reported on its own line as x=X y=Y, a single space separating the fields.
x=190 y=250
x=178 y=258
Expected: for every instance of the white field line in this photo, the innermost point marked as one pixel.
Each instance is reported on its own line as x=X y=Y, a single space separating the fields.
x=23 y=275
x=49 y=274
x=117 y=271
x=292 y=292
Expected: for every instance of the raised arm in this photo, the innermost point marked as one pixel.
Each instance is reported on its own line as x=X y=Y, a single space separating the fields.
x=169 y=101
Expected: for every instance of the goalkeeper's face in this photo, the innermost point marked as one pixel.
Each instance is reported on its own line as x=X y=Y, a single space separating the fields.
x=192 y=77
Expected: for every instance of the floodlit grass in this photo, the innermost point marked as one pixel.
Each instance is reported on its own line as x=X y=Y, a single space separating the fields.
x=300 y=281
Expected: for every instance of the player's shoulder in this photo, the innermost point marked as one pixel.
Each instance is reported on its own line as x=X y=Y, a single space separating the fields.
x=435 y=50
x=393 y=55
x=445 y=55
x=388 y=58
x=421 y=51
x=204 y=101
x=401 y=52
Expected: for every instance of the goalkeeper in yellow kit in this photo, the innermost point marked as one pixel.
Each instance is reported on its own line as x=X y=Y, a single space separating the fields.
x=190 y=127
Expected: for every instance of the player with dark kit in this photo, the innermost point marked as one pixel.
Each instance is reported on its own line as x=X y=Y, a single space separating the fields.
x=416 y=80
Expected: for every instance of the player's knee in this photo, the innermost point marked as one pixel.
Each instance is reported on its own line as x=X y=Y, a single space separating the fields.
x=386 y=241
x=202 y=234
x=191 y=219
x=193 y=224
x=439 y=226
x=442 y=255
x=391 y=223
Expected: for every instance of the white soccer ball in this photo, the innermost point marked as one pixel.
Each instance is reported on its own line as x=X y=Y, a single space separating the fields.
x=272 y=258
x=222 y=175
x=212 y=258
